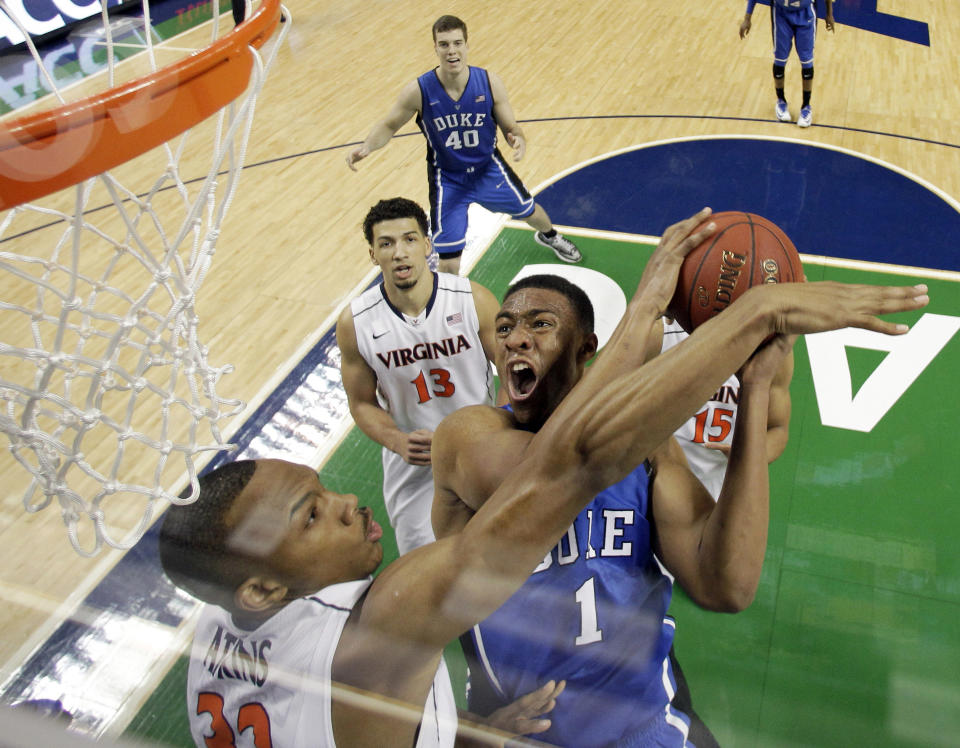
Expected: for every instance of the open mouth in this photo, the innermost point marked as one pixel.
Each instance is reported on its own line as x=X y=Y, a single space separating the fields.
x=522 y=380
x=371 y=528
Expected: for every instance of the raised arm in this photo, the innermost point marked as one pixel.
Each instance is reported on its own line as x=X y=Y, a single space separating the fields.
x=684 y=377
x=360 y=384
x=716 y=550
x=778 y=414
x=779 y=409
x=640 y=328
x=403 y=109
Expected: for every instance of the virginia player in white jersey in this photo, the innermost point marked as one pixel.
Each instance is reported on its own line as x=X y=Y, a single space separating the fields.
x=266 y=537
x=793 y=22
x=414 y=348
x=266 y=680
x=458 y=109
x=707 y=436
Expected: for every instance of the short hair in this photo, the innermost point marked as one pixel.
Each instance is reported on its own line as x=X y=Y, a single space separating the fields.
x=448 y=23
x=575 y=295
x=388 y=210
x=193 y=538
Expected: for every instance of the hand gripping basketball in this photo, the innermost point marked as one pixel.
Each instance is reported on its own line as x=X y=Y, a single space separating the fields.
x=744 y=251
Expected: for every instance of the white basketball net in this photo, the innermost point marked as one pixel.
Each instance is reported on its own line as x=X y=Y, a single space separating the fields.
x=107 y=392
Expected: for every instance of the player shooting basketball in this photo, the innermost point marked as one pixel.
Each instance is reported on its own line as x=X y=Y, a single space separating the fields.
x=594 y=612
x=289 y=560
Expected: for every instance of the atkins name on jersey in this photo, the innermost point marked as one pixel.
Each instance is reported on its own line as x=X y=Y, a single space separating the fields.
x=229 y=656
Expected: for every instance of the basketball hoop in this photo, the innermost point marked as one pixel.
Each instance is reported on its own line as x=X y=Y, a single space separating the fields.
x=105 y=380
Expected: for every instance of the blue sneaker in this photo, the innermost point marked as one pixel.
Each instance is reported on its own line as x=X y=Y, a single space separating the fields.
x=783 y=113
x=806 y=117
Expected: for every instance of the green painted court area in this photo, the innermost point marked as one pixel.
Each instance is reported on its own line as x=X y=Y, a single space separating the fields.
x=854 y=636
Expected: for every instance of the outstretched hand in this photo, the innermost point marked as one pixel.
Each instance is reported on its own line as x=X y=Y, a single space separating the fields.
x=800 y=308
x=659 y=279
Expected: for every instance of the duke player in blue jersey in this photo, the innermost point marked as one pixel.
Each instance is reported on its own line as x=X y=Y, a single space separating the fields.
x=458 y=109
x=793 y=22
x=594 y=612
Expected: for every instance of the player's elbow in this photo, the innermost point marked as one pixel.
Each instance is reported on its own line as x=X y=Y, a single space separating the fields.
x=728 y=595
x=737 y=599
x=726 y=603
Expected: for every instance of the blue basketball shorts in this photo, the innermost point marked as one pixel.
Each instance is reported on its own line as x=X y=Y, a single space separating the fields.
x=495 y=187
x=794 y=27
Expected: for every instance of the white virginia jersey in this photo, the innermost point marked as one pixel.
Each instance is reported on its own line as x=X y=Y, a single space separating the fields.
x=271 y=686
x=713 y=424
x=426 y=368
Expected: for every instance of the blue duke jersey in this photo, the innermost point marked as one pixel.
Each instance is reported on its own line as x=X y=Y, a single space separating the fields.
x=593 y=613
x=461 y=135
x=271 y=686
x=426 y=368
x=464 y=165
x=787 y=4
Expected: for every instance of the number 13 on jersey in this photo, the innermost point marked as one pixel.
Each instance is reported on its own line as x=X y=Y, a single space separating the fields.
x=439 y=385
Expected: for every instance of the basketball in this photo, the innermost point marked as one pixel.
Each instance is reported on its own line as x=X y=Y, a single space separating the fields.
x=746 y=250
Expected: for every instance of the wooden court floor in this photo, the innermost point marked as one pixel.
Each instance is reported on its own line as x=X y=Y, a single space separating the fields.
x=584 y=80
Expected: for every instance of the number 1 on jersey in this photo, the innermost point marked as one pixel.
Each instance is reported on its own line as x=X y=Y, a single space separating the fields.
x=587 y=598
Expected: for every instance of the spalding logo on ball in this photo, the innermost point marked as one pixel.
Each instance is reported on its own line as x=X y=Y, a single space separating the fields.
x=746 y=250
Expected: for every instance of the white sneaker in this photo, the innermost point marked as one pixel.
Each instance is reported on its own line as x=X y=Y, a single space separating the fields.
x=783 y=112
x=806 y=117
x=562 y=247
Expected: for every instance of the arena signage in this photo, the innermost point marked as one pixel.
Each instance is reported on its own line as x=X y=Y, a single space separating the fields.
x=42 y=17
